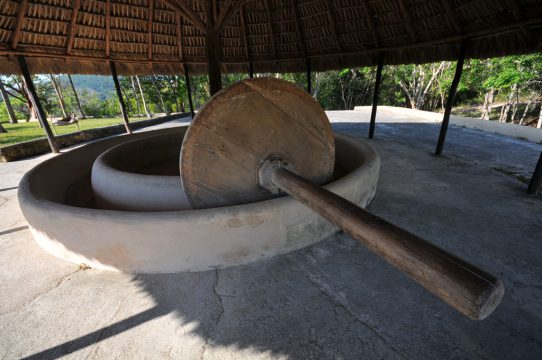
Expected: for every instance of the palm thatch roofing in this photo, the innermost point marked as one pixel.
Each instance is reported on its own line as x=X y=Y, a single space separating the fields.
x=160 y=36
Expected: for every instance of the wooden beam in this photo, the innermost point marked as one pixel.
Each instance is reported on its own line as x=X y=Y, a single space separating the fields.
x=452 y=16
x=536 y=180
x=299 y=29
x=188 y=89
x=179 y=37
x=451 y=98
x=213 y=54
x=270 y=29
x=149 y=30
x=119 y=95
x=407 y=19
x=370 y=23
x=73 y=26
x=107 y=28
x=18 y=23
x=182 y=7
x=42 y=118
x=222 y=15
x=235 y=7
x=376 y=94
x=333 y=23
x=244 y=31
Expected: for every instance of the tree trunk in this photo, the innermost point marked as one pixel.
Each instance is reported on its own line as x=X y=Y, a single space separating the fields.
x=157 y=88
x=506 y=108
x=515 y=105
x=2 y=129
x=539 y=123
x=76 y=98
x=529 y=103
x=59 y=94
x=136 y=97
x=143 y=98
x=7 y=102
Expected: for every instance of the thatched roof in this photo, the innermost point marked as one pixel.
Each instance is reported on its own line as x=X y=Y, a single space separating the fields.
x=159 y=36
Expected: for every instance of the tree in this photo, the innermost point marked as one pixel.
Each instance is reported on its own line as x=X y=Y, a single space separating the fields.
x=7 y=103
x=76 y=98
x=59 y=94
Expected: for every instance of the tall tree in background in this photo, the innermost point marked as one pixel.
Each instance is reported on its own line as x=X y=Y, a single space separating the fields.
x=417 y=80
x=59 y=94
x=7 y=103
x=17 y=89
x=143 y=97
x=76 y=98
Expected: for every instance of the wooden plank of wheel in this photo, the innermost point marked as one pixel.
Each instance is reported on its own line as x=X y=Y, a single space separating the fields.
x=239 y=128
x=265 y=135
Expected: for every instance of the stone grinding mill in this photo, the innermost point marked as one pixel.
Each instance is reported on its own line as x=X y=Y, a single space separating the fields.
x=261 y=137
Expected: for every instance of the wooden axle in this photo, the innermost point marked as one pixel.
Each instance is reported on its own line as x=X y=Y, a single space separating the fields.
x=470 y=290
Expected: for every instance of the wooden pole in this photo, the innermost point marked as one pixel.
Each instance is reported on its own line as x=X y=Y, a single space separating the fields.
x=37 y=104
x=451 y=98
x=536 y=180
x=309 y=80
x=119 y=95
x=188 y=89
x=251 y=69
x=470 y=290
x=376 y=94
x=213 y=63
x=76 y=98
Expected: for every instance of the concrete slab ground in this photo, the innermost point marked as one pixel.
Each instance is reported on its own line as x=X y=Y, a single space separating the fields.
x=333 y=300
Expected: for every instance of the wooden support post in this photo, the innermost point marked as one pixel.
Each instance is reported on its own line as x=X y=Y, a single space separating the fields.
x=251 y=70
x=309 y=82
x=189 y=90
x=121 y=99
x=536 y=180
x=376 y=94
x=37 y=104
x=7 y=103
x=451 y=98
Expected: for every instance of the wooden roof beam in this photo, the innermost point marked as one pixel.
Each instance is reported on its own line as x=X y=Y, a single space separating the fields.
x=107 y=28
x=270 y=28
x=370 y=23
x=179 y=37
x=244 y=30
x=17 y=31
x=149 y=30
x=73 y=25
x=452 y=16
x=333 y=24
x=299 y=29
x=182 y=7
x=229 y=10
x=407 y=19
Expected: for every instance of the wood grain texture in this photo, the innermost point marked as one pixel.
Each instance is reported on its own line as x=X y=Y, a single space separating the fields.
x=240 y=127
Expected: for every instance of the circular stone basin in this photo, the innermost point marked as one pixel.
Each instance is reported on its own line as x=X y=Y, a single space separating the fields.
x=140 y=175
x=57 y=200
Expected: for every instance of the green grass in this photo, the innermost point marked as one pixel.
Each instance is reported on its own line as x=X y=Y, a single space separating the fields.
x=24 y=131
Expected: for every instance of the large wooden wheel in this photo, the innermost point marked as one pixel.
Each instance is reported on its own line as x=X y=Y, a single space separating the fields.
x=243 y=125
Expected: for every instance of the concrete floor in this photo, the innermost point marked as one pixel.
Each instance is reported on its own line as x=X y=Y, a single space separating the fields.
x=333 y=300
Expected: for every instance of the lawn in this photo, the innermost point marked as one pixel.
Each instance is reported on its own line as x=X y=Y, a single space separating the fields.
x=24 y=131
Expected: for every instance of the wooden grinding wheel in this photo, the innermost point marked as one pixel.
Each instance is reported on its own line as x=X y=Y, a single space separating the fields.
x=262 y=135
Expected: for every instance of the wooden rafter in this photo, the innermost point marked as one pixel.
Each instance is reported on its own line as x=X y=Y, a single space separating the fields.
x=299 y=28
x=73 y=25
x=244 y=30
x=223 y=11
x=270 y=28
x=452 y=16
x=333 y=24
x=370 y=23
x=225 y=16
x=149 y=30
x=182 y=7
x=407 y=19
x=19 y=22
x=179 y=37
x=107 y=28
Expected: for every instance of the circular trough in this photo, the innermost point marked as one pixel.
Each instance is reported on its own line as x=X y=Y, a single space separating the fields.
x=56 y=199
x=140 y=175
